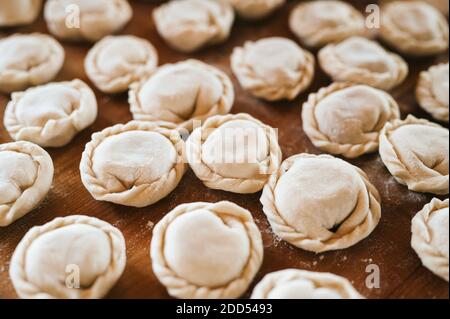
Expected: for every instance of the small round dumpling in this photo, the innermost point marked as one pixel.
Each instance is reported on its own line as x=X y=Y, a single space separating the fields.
x=182 y=93
x=136 y=164
x=51 y=115
x=433 y=90
x=188 y=25
x=18 y=12
x=28 y=60
x=346 y=119
x=255 y=9
x=75 y=257
x=117 y=61
x=318 y=23
x=273 y=68
x=363 y=61
x=206 y=251
x=26 y=175
x=430 y=235
x=86 y=19
x=234 y=153
x=416 y=153
x=414 y=28
x=321 y=203
x=302 y=284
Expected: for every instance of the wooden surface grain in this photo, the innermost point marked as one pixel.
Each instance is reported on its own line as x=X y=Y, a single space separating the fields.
x=402 y=275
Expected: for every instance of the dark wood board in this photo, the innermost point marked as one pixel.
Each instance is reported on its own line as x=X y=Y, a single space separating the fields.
x=402 y=275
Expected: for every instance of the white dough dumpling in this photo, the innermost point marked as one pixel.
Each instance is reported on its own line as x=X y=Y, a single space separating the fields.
x=52 y=114
x=363 y=61
x=26 y=175
x=273 y=68
x=414 y=28
x=234 y=153
x=432 y=91
x=430 y=235
x=206 y=251
x=117 y=61
x=182 y=93
x=28 y=60
x=302 y=284
x=75 y=257
x=416 y=153
x=318 y=23
x=346 y=119
x=441 y=5
x=321 y=203
x=188 y=25
x=136 y=164
x=88 y=20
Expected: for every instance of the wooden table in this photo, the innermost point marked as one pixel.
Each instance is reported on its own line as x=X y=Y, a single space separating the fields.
x=402 y=275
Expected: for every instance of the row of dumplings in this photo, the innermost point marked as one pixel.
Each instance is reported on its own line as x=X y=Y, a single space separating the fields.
x=412 y=27
x=139 y=163
x=224 y=268
x=181 y=261
x=60 y=110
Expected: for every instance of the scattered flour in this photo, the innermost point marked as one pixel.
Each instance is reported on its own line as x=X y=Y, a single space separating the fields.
x=150 y=225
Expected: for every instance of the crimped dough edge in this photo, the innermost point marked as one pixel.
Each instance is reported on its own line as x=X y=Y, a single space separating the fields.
x=32 y=196
x=338 y=241
x=142 y=195
x=421 y=237
x=179 y=287
x=438 y=185
x=102 y=284
x=214 y=180
x=323 y=142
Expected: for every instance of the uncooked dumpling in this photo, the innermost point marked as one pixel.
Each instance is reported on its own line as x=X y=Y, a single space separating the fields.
x=346 y=119
x=318 y=23
x=206 y=251
x=136 y=164
x=433 y=90
x=117 y=61
x=430 y=236
x=26 y=175
x=321 y=203
x=184 y=93
x=302 y=284
x=188 y=25
x=416 y=153
x=363 y=61
x=75 y=257
x=86 y=19
x=52 y=114
x=273 y=68
x=18 y=12
x=28 y=60
x=414 y=28
x=441 y=5
x=235 y=153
